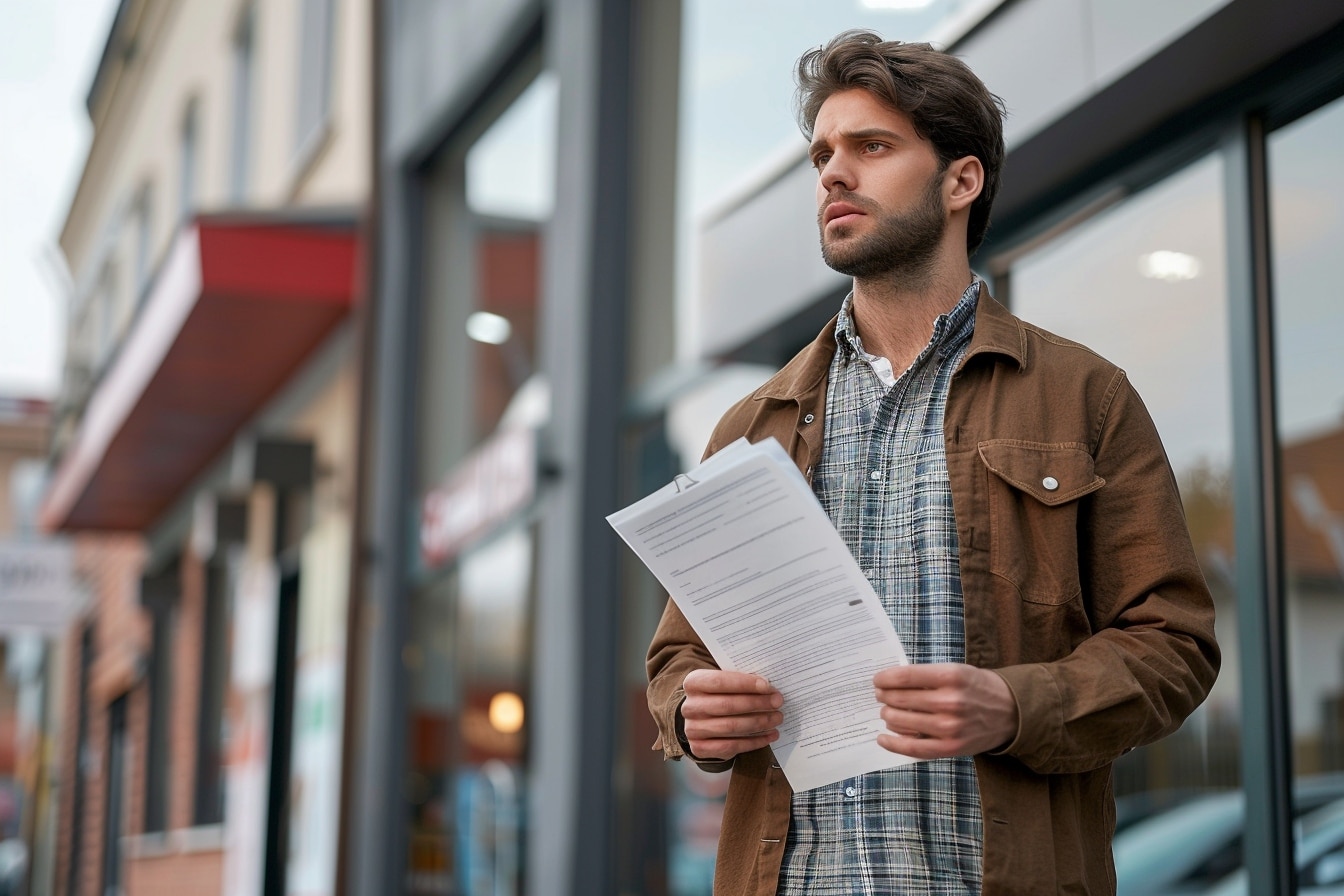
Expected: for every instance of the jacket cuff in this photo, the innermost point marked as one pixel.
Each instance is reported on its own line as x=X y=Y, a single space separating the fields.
x=1007 y=747
x=676 y=746
x=1039 y=714
x=668 y=718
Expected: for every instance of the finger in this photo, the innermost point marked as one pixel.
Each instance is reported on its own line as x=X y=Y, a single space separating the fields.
x=918 y=747
x=918 y=676
x=717 y=681
x=697 y=706
x=727 y=748
x=947 y=701
x=923 y=724
x=733 y=726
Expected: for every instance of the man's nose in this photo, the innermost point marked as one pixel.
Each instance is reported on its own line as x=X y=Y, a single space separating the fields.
x=837 y=173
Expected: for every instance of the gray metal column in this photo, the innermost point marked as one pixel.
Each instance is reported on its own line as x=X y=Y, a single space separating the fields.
x=377 y=807
x=584 y=295
x=1266 y=757
x=373 y=824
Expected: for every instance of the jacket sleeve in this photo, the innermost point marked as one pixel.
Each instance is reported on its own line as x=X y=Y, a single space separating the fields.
x=1151 y=657
x=676 y=650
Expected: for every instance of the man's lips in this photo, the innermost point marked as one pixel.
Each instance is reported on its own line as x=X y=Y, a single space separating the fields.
x=837 y=211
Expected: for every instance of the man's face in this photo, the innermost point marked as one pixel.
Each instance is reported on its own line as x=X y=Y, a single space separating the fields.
x=880 y=206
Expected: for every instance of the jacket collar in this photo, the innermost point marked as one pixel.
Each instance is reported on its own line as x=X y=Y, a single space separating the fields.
x=997 y=331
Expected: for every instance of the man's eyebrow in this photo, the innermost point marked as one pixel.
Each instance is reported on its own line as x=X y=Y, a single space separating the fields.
x=855 y=136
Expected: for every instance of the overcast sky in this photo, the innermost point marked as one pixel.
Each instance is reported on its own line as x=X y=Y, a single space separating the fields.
x=48 y=50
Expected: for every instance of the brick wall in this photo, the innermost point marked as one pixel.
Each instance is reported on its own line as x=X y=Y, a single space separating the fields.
x=177 y=874
x=186 y=695
x=110 y=567
x=182 y=859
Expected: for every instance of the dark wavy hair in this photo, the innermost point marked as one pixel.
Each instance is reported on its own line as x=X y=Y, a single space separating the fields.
x=949 y=106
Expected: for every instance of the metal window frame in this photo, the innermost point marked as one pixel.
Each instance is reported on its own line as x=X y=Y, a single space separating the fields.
x=1267 y=773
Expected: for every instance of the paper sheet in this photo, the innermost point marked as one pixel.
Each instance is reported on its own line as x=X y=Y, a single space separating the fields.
x=752 y=560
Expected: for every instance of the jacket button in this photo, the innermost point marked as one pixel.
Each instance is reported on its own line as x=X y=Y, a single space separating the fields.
x=1050 y=483
x=809 y=418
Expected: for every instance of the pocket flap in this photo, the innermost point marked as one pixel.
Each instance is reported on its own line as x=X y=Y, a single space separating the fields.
x=1052 y=474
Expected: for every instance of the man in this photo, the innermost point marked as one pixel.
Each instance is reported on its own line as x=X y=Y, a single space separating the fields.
x=1006 y=493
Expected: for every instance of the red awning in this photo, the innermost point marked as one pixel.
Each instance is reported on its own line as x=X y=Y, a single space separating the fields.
x=235 y=310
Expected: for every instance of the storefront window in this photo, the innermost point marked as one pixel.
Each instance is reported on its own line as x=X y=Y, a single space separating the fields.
x=493 y=645
x=1307 y=232
x=468 y=654
x=1144 y=285
x=487 y=204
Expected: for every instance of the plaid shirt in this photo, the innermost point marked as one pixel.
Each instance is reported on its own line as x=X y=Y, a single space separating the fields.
x=883 y=481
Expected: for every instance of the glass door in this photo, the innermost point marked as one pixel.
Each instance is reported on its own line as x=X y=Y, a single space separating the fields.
x=1307 y=241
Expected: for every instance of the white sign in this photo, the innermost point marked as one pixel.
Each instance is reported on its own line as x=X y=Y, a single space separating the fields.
x=496 y=481
x=315 y=776
x=255 y=603
x=38 y=589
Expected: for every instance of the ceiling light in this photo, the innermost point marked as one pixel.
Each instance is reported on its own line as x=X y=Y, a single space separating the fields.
x=896 y=4
x=1172 y=267
x=492 y=329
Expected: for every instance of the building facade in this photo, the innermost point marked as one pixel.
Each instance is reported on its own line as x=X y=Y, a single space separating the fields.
x=204 y=445
x=36 y=597
x=1166 y=200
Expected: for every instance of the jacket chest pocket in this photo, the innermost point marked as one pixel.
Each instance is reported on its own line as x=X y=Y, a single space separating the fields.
x=1034 y=492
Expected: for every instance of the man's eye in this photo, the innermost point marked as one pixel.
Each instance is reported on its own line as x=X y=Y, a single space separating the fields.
x=819 y=161
x=872 y=147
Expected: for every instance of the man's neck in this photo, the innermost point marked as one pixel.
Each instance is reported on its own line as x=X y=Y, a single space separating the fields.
x=894 y=316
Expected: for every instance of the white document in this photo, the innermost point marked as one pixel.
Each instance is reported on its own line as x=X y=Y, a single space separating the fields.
x=752 y=560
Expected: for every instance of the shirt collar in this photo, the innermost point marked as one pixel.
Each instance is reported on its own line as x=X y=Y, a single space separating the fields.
x=949 y=330
x=997 y=332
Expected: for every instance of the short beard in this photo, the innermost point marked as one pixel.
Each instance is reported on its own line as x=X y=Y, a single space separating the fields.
x=903 y=245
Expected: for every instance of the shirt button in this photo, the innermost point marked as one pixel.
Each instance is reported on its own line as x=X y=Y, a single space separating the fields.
x=851 y=791
x=1050 y=483
x=875 y=475
x=809 y=418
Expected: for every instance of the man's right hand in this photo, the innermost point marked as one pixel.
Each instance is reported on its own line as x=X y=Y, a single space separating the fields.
x=727 y=713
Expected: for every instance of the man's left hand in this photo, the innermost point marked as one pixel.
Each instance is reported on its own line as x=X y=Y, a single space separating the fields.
x=936 y=710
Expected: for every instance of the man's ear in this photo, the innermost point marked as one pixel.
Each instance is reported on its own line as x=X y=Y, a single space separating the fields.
x=963 y=181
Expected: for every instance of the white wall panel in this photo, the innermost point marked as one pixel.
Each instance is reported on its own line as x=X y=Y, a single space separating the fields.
x=1036 y=54
x=760 y=263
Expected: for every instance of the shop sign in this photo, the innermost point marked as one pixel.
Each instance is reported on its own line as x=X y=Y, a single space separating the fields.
x=495 y=482
x=38 y=589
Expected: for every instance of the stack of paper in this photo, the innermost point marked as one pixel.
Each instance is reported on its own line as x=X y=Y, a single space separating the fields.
x=753 y=562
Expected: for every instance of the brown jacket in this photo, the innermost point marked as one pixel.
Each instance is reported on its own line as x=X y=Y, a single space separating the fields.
x=1086 y=598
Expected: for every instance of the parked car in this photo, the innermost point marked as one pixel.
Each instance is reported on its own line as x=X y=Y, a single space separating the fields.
x=1182 y=850
x=1319 y=843
x=1135 y=807
x=1191 y=848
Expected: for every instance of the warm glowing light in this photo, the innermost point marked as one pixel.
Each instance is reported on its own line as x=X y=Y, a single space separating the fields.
x=506 y=712
x=483 y=326
x=1172 y=267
